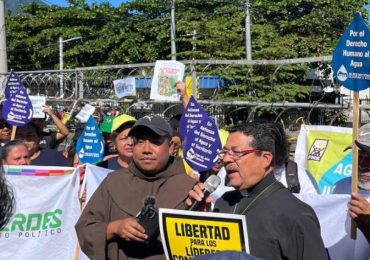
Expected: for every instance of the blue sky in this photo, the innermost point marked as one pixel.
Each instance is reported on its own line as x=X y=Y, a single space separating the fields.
x=65 y=3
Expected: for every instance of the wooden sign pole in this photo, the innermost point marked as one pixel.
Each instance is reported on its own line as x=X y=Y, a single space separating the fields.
x=355 y=130
x=14 y=130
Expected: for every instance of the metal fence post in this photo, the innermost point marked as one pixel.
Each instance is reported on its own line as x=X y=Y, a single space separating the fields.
x=193 y=79
x=80 y=85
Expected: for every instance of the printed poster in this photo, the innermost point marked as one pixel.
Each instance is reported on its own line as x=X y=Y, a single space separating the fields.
x=187 y=234
x=90 y=144
x=85 y=113
x=17 y=109
x=38 y=103
x=12 y=85
x=201 y=145
x=193 y=115
x=166 y=74
x=325 y=152
x=125 y=87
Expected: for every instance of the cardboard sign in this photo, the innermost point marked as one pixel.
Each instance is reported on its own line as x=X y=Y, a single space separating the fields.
x=187 y=234
x=38 y=104
x=192 y=116
x=17 y=109
x=166 y=74
x=125 y=87
x=85 y=113
x=90 y=145
x=201 y=145
x=351 y=58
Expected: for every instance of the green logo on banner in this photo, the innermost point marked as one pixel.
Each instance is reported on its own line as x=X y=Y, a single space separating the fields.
x=35 y=221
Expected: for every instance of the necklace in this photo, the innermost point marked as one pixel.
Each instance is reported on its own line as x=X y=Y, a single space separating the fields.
x=250 y=204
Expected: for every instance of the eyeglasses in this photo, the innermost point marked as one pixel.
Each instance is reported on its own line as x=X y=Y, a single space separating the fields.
x=236 y=155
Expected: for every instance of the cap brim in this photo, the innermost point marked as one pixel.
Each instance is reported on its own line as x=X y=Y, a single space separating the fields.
x=136 y=128
x=363 y=147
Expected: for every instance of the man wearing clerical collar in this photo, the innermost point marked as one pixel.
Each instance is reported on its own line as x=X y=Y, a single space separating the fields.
x=279 y=225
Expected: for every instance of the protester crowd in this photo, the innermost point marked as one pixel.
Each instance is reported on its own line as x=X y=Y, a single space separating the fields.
x=257 y=180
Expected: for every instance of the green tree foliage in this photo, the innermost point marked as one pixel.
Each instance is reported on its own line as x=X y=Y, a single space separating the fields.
x=139 y=31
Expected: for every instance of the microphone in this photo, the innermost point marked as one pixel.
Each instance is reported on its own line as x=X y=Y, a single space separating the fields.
x=150 y=200
x=211 y=185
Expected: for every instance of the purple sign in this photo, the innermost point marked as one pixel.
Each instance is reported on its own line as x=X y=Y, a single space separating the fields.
x=192 y=116
x=12 y=85
x=201 y=145
x=17 y=109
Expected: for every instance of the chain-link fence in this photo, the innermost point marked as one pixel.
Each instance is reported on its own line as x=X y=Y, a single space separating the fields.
x=73 y=88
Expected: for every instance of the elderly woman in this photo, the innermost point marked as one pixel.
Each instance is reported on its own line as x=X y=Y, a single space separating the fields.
x=123 y=144
x=15 y=153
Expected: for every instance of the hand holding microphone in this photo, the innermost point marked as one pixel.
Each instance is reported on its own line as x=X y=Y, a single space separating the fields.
x=200 y=192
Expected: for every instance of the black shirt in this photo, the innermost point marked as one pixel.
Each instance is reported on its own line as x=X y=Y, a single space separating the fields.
x=111 y=163
x=280 y=226
x=48 y=141
x=49 y=157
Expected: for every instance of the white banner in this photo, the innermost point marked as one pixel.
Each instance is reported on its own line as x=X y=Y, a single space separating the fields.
x=94 y=175
x=47 y=208
x=332 y=211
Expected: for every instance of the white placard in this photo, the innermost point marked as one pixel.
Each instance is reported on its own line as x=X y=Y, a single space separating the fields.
x=85 y=113
x=38 y=104
x=125 y=87
x=166 y=74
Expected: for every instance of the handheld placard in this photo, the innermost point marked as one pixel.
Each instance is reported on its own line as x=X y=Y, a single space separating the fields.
x=351 y=65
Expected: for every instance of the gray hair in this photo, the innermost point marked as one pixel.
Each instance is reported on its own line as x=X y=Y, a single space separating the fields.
x=8 y=147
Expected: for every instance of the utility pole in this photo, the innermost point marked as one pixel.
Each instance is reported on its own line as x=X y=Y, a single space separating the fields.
x=3 y=53
x=61 y=63
x=248 y=45
x=173 y=31
x=192 y=65
x=193 y=69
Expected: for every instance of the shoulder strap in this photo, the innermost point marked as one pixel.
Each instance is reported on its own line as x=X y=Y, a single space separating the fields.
x=273 y=187
x=291 y=174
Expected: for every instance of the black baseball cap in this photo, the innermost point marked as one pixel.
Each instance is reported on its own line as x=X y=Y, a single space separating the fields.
x=157 y=124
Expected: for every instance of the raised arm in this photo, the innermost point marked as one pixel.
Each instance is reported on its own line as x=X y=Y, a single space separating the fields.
x=182 y=89
x=62 y=129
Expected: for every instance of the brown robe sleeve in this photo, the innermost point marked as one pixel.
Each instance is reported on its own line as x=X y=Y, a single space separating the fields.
x=92 y=225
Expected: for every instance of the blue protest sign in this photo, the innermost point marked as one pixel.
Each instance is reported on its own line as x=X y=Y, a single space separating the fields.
x=12 y=85
x=192 y=116
x=17 y=109
x=90 y=145
x=351 y=63
x=201 y=145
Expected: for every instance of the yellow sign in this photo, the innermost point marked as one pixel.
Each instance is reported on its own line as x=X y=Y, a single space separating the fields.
x=189 y=87
x=187 y=234
x=66 y=117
